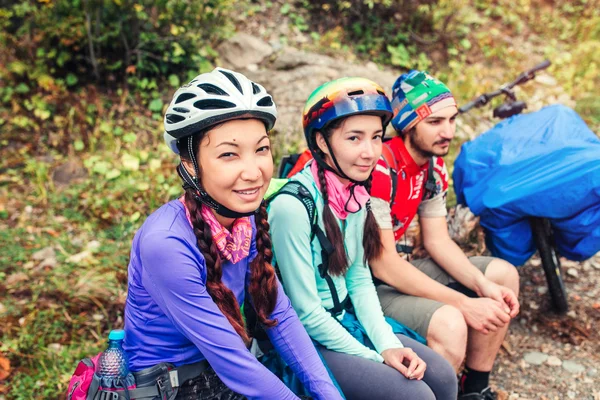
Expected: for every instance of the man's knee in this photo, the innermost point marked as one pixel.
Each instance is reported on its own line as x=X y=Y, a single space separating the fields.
x=447 y=333
x=503 y=273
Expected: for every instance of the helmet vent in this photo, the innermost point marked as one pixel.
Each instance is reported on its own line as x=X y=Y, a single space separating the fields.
x=181 y=109
x=174 y=118
x=213 y=104
x=255 y=88
x=380 y=92
x=233 y=80
x=184 y=96
x=212 y=89
x=266 y=101
x=356 y=93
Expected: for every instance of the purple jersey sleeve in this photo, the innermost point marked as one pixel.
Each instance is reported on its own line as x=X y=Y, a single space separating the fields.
x=174 y=278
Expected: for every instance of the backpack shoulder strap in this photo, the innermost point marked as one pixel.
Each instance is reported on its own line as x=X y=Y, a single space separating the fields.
x=300 y=192
x=430 y=183
x=388 y=156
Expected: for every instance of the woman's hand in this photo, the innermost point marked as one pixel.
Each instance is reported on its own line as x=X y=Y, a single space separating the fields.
x=406 y=361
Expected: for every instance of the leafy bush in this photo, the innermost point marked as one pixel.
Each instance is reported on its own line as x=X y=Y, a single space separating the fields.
x=109 y=40
x=57 y=54
x=401 y=33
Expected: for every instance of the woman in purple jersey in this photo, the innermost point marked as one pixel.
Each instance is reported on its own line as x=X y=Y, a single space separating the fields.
x=195 y=259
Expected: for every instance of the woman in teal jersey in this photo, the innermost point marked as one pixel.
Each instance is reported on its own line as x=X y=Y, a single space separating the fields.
x=344 y=123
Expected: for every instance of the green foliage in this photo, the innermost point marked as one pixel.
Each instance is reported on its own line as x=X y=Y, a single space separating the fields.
x=53 y=316
x=109 y=40
x=53 y=51
x=388 y=32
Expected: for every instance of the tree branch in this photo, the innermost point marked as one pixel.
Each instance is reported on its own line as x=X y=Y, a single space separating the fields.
x=88 y=29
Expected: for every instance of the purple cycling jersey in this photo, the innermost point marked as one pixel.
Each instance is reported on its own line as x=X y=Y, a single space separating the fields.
x=170 y=316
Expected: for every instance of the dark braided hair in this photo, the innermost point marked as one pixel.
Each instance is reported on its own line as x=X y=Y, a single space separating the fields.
x=372 y=244
x=263 y=282
x=338 y=262
x=221 y=295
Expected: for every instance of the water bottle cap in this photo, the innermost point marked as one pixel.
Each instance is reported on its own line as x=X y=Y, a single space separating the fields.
x=116 y=334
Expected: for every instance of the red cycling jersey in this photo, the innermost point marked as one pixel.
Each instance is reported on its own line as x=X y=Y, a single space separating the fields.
x=409 y=199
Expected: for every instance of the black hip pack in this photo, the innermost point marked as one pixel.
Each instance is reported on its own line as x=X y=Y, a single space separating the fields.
x=161 y=381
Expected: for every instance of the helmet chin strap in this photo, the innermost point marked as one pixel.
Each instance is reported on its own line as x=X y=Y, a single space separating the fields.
x=191 y=182
x=338 y=170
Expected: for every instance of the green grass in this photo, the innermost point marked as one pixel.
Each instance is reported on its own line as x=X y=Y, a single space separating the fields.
x=55 y=315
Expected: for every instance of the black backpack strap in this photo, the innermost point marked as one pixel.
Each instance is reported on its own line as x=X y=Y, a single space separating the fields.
x=394 y=176
x=403 y=248
x=300 y=192
x=326 y=251
x=430 y=185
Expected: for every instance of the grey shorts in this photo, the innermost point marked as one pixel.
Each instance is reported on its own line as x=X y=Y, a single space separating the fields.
x=416 y=312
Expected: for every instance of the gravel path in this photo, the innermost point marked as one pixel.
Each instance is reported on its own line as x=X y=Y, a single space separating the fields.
x=547 y=356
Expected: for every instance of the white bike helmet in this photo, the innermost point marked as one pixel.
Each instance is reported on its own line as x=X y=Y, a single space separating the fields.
x=212 y=98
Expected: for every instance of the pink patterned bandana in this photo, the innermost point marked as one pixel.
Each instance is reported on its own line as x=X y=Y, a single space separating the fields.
x=341 y=200
x=234 y=246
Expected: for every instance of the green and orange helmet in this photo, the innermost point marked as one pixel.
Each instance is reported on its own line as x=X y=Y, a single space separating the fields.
x=340 y=98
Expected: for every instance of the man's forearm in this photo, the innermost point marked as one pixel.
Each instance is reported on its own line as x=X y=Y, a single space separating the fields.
x=406 y=278
x=451 y=258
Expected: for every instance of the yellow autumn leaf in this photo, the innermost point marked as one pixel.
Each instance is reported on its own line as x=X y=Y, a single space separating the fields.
x=46 y=82
x=130 y=162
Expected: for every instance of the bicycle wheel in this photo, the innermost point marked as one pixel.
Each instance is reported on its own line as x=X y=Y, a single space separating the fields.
x=544 y=241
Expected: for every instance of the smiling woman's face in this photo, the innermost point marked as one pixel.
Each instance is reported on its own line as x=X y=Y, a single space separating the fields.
x=356 y=144
x=236 y=164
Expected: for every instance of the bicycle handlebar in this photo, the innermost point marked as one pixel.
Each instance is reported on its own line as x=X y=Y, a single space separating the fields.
x=522 y=78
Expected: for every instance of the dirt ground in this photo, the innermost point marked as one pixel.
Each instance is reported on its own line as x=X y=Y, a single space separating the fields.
x=549 y=356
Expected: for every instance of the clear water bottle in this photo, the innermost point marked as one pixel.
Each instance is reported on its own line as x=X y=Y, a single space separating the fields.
x=113 y=365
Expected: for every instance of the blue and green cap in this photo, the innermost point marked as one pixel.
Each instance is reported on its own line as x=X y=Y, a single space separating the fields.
x=415 y=96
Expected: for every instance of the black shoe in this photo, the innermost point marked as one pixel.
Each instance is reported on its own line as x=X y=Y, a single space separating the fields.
x=485 y=394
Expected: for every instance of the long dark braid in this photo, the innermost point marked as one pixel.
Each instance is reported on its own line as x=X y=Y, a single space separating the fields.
x=263 y=281
x=338 y=262
x=372 y=244
x=221 y=294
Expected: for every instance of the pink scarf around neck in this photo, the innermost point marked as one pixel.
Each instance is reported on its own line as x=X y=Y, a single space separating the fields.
x=342 y=199
x=233 y=246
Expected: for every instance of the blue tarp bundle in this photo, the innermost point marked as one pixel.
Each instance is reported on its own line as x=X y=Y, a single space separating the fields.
x=545 y=164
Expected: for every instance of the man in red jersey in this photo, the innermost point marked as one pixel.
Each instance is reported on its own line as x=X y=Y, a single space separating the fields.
x=463 y=306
